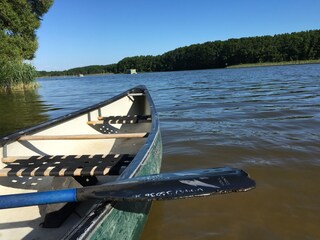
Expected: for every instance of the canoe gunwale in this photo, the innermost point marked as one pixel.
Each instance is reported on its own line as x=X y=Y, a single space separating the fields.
x=99 y=209
x=134 y=166
x=103 y=208
x=6 y=139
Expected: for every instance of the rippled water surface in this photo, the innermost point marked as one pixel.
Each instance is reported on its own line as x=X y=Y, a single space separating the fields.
x=264 y=120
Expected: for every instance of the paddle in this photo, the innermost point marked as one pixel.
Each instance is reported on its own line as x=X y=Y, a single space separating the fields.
x=165 y=186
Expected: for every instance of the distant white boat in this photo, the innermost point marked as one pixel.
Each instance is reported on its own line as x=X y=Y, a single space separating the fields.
x=81 y=75
x=132 y=71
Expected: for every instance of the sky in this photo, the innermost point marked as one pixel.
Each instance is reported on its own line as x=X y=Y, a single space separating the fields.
x=76 y=33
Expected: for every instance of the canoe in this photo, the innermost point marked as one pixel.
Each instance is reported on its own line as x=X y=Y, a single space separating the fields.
x=114 y=140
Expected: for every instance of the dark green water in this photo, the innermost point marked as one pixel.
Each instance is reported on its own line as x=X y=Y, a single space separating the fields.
x=20 y=109
x=264 y=120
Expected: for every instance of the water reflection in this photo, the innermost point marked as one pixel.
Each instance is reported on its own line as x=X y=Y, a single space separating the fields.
x=21 y=109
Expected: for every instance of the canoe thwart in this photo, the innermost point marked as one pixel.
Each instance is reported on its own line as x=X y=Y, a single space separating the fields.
x=71 y=165
x=126 y=119
x=82 y=137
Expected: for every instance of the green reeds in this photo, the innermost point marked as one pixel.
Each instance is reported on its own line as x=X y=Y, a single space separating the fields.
x=16 y=75
x=267 y=64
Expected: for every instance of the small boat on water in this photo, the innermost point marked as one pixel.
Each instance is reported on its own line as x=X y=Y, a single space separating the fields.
x=132 y=71
x=93 y=174
x=113 y=140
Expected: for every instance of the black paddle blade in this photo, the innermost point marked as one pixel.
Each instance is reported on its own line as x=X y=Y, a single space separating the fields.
x=169 y=186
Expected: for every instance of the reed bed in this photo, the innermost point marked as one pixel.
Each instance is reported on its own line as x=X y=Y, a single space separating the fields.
x=17 y=76
x=266 y=64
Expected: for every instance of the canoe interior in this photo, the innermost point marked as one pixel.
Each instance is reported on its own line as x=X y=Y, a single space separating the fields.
x=78 y=134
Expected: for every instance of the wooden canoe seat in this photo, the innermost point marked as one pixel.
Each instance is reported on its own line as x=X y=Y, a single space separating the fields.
x=71 y=165
x=82 y=137
x=123 y=119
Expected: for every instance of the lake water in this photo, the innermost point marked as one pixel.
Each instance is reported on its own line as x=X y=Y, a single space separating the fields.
x=264 y=120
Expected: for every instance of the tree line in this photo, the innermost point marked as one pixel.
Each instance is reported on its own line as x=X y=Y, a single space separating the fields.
x=19 y=20
x=93 y=69
x=295 y=46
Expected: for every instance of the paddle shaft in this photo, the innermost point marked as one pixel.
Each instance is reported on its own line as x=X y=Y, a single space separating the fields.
x=165 y=186
x=38 y=198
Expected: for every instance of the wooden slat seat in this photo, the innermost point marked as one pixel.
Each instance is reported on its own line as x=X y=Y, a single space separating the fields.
x=71 y=165
x=123 y=119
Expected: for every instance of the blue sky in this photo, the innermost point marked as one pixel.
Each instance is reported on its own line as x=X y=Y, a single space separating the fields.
x=78 y=33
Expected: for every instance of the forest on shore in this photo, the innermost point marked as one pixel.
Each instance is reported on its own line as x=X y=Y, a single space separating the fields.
x=296 y=46
x=19 y=21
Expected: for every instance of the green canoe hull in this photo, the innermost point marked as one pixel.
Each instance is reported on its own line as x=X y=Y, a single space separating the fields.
x=126 y=220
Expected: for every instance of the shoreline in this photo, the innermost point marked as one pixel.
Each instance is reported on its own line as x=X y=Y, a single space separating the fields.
x=19 y=87
x=270 y=64
x=76 y=76
x=245 y=65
